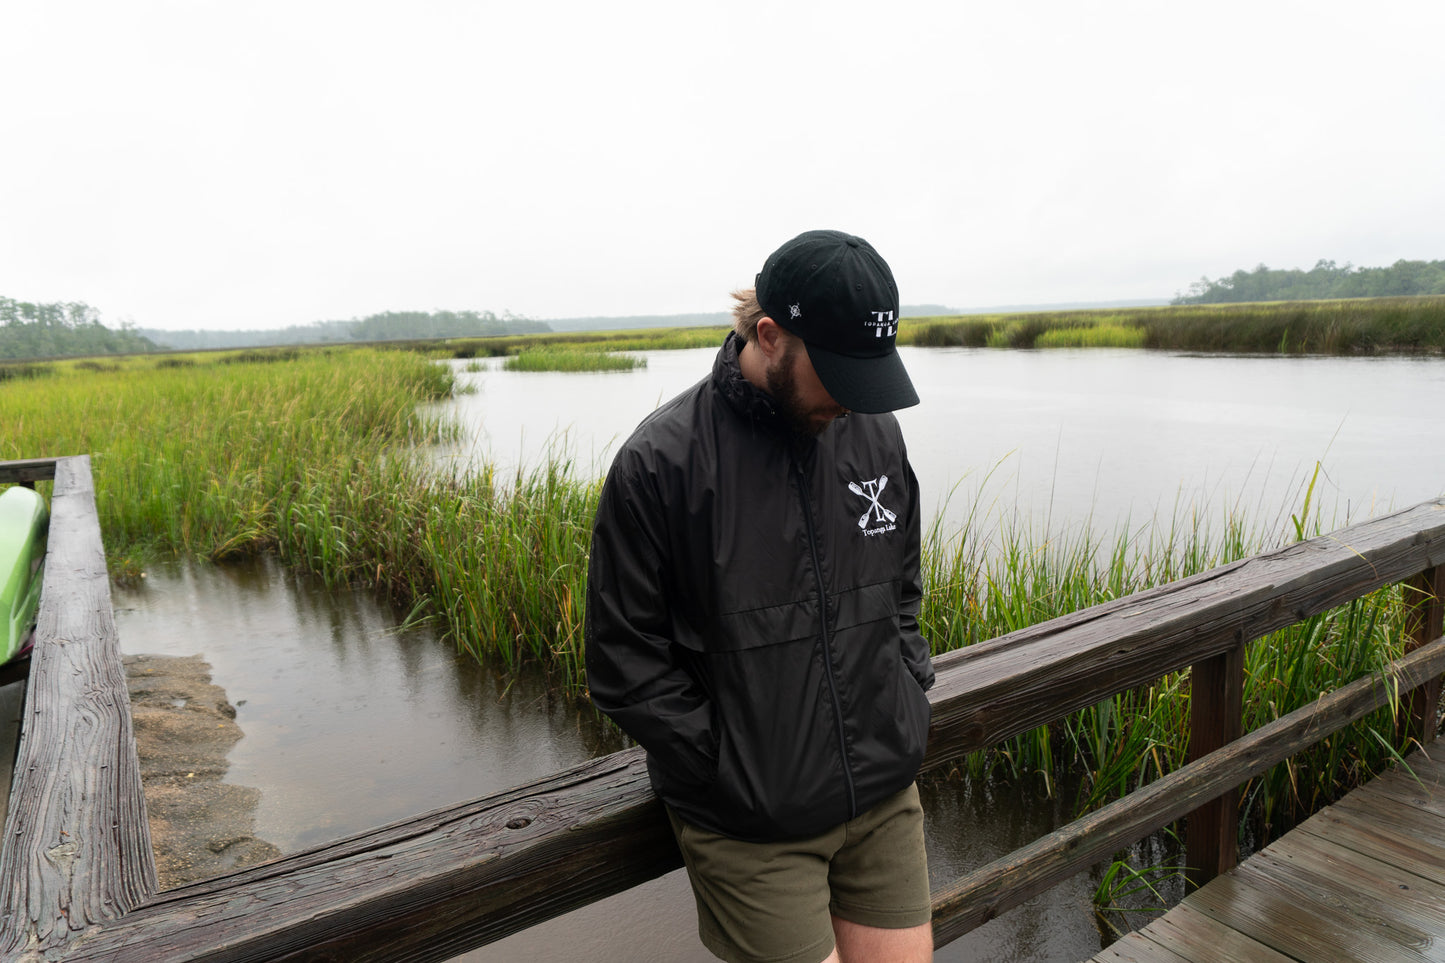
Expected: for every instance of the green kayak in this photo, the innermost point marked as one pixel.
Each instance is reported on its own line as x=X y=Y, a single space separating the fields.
x=24 y=521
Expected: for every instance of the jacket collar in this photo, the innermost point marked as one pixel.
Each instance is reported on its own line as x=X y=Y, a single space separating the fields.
x=751 y=402
x=741 y=394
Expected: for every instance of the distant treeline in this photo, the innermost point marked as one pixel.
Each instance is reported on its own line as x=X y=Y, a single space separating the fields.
x=1325 y=281
x=61 y=330
x=387 y=326
x=1343 y=326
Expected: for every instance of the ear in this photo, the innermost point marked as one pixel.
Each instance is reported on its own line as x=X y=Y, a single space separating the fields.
x=771 y=337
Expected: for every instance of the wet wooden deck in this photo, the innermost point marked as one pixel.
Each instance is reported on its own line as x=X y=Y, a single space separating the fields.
x=1363 y=879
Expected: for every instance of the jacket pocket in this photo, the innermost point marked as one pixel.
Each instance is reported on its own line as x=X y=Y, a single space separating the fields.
x=782 y=624
x=779 y=765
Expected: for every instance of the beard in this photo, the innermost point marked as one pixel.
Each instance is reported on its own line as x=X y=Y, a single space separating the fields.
x=782 y=384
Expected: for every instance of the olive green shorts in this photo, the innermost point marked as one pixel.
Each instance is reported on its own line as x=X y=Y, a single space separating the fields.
x=773 y=902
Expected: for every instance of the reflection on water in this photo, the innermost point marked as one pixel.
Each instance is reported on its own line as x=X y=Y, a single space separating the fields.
x=349 y=722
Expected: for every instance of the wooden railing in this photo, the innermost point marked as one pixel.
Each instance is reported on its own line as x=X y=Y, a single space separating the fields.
x=76 y=866
x=77 y=847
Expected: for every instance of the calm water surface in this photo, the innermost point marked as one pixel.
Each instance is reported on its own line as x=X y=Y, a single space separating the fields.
x=1058 y=436
x=351 y=723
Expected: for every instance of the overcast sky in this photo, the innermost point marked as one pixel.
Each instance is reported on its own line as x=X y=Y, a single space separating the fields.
x=254 y=165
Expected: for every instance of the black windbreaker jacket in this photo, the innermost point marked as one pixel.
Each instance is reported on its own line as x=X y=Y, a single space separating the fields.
x=752 y=611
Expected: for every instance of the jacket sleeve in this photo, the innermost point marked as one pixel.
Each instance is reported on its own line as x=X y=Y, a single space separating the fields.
x=915 y=647
x=635 y=674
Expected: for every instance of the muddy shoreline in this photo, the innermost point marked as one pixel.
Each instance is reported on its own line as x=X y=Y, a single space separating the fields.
x=201 y=826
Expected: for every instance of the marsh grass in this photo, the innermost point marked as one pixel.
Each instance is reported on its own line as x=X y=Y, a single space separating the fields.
x=207 y=459
x=24 y=370
x=1355 y=326
x=259 y=355
x=995 y=576
x=637 y=339
x=553 y=358
x=511 y=566
x=1103 y=335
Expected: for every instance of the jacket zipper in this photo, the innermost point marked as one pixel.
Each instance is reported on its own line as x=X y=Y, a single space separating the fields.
x=804 y=494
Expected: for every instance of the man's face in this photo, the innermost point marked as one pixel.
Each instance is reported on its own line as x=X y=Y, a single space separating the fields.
x=801 y=397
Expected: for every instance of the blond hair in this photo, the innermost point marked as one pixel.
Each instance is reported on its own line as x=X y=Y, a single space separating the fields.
x=747 y=313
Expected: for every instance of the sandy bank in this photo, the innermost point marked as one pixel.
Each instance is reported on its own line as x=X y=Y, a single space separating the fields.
x=184 y=727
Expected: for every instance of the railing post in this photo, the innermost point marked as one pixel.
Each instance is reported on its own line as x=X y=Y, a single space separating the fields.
x=1216 y=717
x=1423 y=624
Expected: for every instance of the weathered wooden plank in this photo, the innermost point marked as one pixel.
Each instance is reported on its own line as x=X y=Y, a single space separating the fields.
x=27 y=470
x=1216 y=718
x=496 y=866
x=1359 y=884
x=1426 y=772
x=1294 y=913
x=1369 y=864
x=1387 y=831
x=985 y=893
x=76 y=850
x=1188 y=935
x=1422 y=789
x=1136 y=948
x=994 y=690
x=1276 y=915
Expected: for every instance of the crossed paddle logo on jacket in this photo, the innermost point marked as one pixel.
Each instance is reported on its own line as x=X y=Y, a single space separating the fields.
x=875 y=511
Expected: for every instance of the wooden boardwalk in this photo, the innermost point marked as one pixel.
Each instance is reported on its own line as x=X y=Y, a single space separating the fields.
x=1363 y=879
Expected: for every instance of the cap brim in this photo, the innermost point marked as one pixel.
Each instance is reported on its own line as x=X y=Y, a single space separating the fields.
x=867 y=385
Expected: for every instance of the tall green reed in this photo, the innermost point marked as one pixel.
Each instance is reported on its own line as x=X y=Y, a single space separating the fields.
x=206 y=460
x=510 y=564
x=1000 y=573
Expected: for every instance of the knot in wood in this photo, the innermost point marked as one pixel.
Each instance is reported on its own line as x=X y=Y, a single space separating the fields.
x=519 y=822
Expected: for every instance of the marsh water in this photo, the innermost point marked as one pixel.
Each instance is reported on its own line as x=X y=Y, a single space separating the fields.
x=1114 y=437
x=352 y=722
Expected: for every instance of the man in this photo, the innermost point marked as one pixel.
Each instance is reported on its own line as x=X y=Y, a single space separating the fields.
x=752 y=608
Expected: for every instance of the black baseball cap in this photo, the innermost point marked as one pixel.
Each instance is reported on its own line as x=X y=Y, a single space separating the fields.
x=834 y=292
